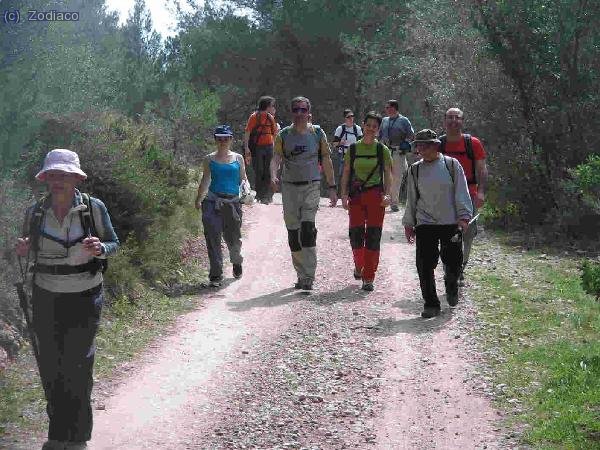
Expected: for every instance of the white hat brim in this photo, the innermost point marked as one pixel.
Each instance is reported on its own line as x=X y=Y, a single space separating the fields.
x=68 y=168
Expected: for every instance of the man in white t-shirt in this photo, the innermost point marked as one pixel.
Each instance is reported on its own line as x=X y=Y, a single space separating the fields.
x=345 y=135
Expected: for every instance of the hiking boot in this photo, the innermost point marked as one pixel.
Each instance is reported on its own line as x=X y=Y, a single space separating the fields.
x=357 y=273
x=237 y=271
x=76 y=446
x=452 y=299
x=53 y=445
x=215 y=281
x=305 y=284
x=430 y=311
x=395 y=208
x=367 y=286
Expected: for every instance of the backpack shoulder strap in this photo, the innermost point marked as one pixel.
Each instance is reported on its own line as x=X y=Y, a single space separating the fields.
x=469 y=146
x=443 y=144
x=470 y=155
x=318 y=131
x=343 y=128
x=414 y=171
x=88 y=222
x=35 y=223
x=451 y=172
x=355 y=130
x=283 y=133
x=380 y=161
x=352 y=150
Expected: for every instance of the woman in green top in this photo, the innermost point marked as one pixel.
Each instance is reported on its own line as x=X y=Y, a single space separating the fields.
x=366 y=184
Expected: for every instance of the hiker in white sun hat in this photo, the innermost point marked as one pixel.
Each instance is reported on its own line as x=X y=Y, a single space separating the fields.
x=62 y=160
x=67 y=236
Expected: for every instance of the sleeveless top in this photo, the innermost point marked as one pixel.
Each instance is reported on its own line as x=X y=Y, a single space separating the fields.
x=301 y=155
x=224 y=177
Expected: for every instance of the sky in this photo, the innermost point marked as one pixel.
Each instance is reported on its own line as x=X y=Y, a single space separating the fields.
x=163 y=13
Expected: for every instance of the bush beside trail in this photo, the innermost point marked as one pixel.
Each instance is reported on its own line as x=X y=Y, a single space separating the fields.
x=146 y=190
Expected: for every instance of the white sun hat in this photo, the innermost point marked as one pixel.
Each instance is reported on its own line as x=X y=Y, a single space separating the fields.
x=63 y=160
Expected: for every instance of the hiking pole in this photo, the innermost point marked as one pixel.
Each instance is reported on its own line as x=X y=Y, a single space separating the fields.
x=456 y=237
x=24 y=302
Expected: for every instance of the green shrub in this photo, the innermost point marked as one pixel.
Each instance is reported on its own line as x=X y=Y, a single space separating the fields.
x=590 y=277
x=146 y=191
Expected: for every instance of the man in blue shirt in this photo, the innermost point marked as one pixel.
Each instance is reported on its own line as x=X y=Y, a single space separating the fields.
x=396 y=132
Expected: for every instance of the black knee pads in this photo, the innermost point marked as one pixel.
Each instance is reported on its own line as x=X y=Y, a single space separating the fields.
x=294 y=240
x=373 y=238
x=357 y=237
x=308 y=234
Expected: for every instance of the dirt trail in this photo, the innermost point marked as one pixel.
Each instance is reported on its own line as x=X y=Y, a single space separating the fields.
x=261 y=365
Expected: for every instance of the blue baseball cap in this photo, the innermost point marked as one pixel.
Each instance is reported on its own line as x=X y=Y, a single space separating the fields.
x=223 y=131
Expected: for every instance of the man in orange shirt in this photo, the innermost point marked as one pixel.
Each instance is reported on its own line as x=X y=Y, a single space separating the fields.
x=261 y=130
x=469 y=151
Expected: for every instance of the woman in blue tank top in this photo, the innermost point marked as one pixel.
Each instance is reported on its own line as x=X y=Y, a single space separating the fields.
x=219 y=199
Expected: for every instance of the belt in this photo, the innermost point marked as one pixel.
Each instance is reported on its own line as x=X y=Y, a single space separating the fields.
x=301 y=183
x=65 y=269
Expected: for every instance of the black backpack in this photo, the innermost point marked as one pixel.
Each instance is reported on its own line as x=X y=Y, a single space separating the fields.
x=379 y=165
x=88 y=224
x=469 y=151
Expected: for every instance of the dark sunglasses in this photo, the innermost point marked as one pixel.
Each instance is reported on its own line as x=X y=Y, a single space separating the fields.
x=300 y=110
x=349 y=115
x=222 y=138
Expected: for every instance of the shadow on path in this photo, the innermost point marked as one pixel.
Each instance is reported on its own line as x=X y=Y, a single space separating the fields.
x=350 y=293
x=278 y=298
x=413 y=325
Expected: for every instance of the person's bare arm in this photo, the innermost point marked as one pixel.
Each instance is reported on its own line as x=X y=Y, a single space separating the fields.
x=204 y=182
x=387 y=180
x=243 y=175
x=326 y=162
x=344 y=187
x=275 y=163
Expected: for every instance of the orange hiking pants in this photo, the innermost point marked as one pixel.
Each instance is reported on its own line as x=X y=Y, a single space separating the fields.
x=366 y=219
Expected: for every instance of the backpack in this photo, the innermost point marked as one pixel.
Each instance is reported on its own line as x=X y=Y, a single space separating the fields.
x=415 y=176
x=380 y=163
x=255 y=133
x=345 y=131
x=469 y=151
x=88 y=224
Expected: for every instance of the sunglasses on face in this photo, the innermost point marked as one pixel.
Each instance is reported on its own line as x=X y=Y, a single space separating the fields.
x=349 y=116
x=300 y=110
x=221 y=139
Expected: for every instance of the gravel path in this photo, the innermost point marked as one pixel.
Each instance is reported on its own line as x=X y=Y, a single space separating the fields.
x=261 y=365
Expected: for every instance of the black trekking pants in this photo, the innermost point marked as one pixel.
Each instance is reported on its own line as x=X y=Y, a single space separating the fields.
x=66 y=326
x=261 y=163
x=433 y=241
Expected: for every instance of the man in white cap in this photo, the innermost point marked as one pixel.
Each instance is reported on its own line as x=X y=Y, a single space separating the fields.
x=68 y=236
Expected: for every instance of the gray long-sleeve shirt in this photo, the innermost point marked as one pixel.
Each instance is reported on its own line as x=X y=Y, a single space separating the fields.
x=440 y=201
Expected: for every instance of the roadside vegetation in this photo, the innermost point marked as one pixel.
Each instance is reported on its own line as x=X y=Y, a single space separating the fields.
x=540 y=332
